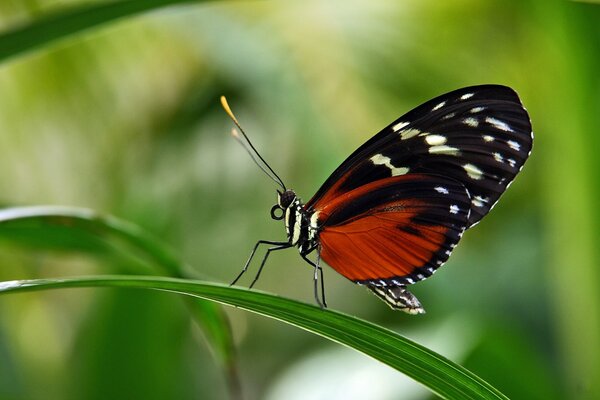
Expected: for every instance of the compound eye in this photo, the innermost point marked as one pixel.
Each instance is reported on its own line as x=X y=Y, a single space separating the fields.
x=275 y=214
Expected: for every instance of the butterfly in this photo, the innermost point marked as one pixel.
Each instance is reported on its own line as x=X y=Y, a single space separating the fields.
x=391 y=214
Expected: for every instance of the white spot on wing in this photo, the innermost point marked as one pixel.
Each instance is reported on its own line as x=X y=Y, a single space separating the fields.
x=473 y=171
x=453 y=209
x=448 y=116
x=471 y=122
x=443 y=149
x=503 y=126
x=435 y=140
x=408 y=133
x=399 y=171
x=439 y=106
x=479 y=201
x=380 y=159
x=475 y=110
x=511 y=162
x=488 y=138
x=399 y=126
x=441 y=189
x=466 y=96
x=514 y=145
x=498 y=157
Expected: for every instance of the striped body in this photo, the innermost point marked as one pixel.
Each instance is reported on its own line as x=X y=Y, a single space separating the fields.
x=301 y=226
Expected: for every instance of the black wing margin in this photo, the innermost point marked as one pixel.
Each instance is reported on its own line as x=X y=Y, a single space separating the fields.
x=479 y=136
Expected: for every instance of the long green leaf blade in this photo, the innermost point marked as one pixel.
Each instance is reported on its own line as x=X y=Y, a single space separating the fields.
x=37 y=225
x=440 y=375
x=72 y=228
x=74 y=20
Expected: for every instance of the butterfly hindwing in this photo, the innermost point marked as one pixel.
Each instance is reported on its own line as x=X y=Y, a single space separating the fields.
x=479 y=136
x=393 y=231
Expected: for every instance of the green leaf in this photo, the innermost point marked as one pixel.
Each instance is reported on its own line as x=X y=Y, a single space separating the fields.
x=74 y=20
x=440 y=375
x=85 y=230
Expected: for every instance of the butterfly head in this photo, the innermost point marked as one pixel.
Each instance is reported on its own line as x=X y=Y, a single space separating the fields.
x=284 y=200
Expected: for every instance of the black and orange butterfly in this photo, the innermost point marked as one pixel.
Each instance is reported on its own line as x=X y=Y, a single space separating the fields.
x=392 y=212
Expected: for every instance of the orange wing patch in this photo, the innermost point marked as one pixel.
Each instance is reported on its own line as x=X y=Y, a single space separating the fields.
x=377 y=247
x=394 y=231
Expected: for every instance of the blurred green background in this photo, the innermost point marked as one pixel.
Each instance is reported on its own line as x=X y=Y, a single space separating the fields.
x=125 y=119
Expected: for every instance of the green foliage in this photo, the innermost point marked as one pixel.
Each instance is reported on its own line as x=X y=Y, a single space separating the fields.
x=74 y=20
x=69 y=229
x=443 y=377
x=434 y=371
x=125 y=120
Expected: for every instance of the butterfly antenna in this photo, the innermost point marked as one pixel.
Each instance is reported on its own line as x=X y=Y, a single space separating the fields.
x=249 y=147
x=236 y=136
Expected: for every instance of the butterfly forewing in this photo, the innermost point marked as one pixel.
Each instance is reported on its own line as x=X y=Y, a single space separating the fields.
x=394 y=231
x=480 y=136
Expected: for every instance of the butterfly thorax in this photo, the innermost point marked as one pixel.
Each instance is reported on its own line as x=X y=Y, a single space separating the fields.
x=300 y=226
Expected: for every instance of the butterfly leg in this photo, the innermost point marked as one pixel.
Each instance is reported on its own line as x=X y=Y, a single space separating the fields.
x=279 y=246
x=322 y=279
x=318 y=270
x=398 y=298
x=252 y=256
